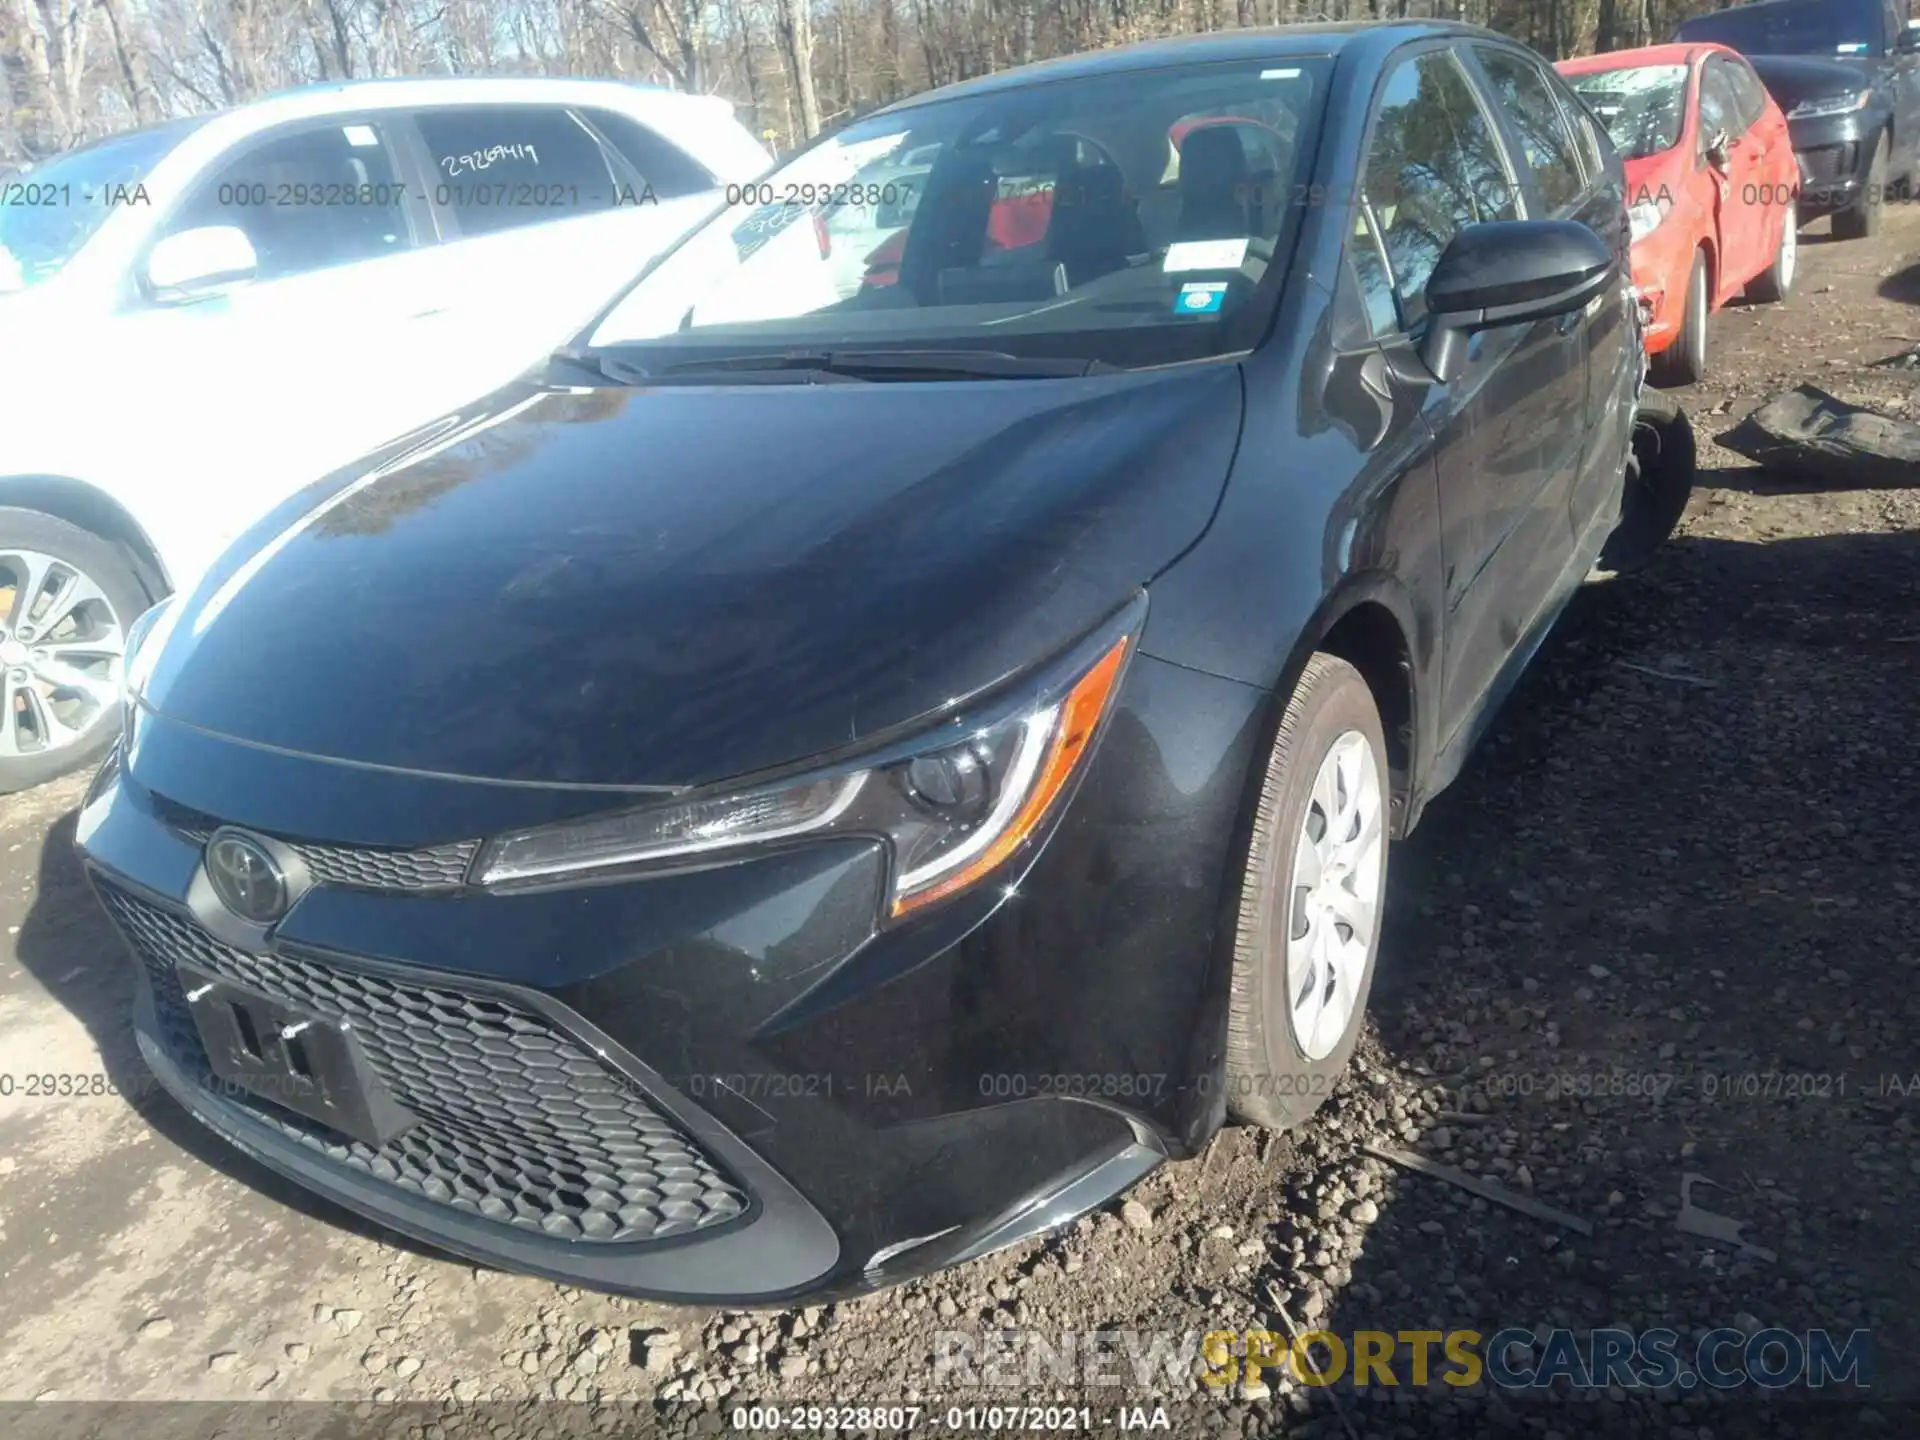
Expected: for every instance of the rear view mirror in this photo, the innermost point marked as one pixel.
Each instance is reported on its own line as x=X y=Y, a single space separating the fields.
x=195 y=263
x=1719 y=150
x=1509 y=272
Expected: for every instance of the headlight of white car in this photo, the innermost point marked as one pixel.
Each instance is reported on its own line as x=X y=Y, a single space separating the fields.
x=1832 y=105
x=1644 y=218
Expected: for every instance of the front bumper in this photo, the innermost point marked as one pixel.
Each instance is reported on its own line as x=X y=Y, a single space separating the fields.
x=1835 y=154
x=1662 y=266
x=720 y=1085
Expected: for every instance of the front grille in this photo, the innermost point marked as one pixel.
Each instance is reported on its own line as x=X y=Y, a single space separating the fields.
x=1827 y=164
x=517 y=1122
x=435 y=867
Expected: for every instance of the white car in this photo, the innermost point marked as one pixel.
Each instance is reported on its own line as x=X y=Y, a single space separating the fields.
x=199 y=318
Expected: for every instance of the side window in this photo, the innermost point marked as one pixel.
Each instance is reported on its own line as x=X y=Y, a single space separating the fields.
x=500 y=167
x=1433 y=168
x=1369 y=264
x=1719 y=114
x=1748 y=93
x=308 y=200
x=664 y=167
x=1593 y=139
x=1589 y=136
x=1524 y=94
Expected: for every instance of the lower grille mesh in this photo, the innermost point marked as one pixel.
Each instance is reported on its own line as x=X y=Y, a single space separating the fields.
x=518 y=1123
x=1826 y=165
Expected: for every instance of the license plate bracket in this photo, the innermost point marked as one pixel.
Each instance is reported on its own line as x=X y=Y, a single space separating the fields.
x=293 y=1058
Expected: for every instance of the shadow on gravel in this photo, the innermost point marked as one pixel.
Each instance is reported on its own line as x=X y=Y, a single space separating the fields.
x=67 y=944
x=1664 y=925
x=1752 y=479
x=1903 y=286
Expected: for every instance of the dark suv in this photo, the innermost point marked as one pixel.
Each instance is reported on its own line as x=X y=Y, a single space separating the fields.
x=1847 y=73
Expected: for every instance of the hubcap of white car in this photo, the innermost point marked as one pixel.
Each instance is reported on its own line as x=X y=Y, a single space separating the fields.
x=1338 y=870
x=60 y=649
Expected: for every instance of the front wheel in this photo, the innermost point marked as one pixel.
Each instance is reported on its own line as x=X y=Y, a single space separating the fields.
x=1684 y=362
x=66 y=599
x=1775 y=283
x=1660 y=472
x=1311 y=899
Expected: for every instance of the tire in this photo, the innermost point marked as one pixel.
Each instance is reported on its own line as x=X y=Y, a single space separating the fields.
x=1276 y=1076
x=1861 y=219
x=1775 y=283
x=1660 y=474
x=59 y=686
x=1685 y=361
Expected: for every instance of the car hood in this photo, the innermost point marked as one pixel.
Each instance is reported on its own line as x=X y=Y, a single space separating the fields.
x=667 y=586
x=1792 y=79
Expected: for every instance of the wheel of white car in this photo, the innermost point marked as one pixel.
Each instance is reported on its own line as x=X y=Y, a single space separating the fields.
x=1311 y=900
x=67 y=597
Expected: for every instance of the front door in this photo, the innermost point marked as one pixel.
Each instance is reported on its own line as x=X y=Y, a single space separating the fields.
x=545 y=218
x=1508 y=428
x=246 y=394
x=1738 y=170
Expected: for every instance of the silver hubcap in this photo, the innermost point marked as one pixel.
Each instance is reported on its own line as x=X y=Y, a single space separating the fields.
x=1700 y=317
x=60 y=649
x=1789 y=246
x=1338 y=870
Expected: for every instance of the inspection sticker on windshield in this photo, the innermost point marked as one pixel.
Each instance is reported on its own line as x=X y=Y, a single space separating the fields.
x=1205 y=255
x=361 y=137
x=1204 y=297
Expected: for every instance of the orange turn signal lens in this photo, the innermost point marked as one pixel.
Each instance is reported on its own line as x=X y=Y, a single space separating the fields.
x=1077 y=717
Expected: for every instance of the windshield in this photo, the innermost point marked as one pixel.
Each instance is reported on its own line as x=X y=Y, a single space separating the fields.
x=1805 y=27
x=48 y=211
x=1642 y=106
x=1126 y=217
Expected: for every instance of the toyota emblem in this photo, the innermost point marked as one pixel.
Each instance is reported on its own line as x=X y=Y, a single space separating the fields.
x=246 y=877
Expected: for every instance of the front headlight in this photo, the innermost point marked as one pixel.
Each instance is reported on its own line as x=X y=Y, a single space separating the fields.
x=953 y=804
x=1644 y=218
x=1832 y=105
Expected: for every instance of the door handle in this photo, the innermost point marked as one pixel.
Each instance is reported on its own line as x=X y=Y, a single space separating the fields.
x=427 y=314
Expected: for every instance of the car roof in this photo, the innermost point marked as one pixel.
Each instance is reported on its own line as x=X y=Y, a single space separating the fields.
x=1679 y=52
x=1755 y=7
x=412 y=92
x=1270 y=42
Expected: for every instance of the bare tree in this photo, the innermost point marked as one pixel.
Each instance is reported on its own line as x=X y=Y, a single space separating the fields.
x=673 y=32
x=793 y=22
x=73 y=69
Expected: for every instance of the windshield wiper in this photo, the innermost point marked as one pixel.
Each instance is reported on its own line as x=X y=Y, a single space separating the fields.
x=803 y=365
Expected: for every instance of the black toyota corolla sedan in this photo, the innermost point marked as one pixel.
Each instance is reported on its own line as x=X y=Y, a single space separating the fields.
x=896 y=730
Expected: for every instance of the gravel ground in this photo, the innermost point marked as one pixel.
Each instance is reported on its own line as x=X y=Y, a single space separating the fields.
x=1660 y=928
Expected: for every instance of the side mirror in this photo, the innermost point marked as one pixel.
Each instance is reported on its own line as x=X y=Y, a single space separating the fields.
x=1908 y=41
x=193 y=264
x=1509 y=272
x=1719 y=150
